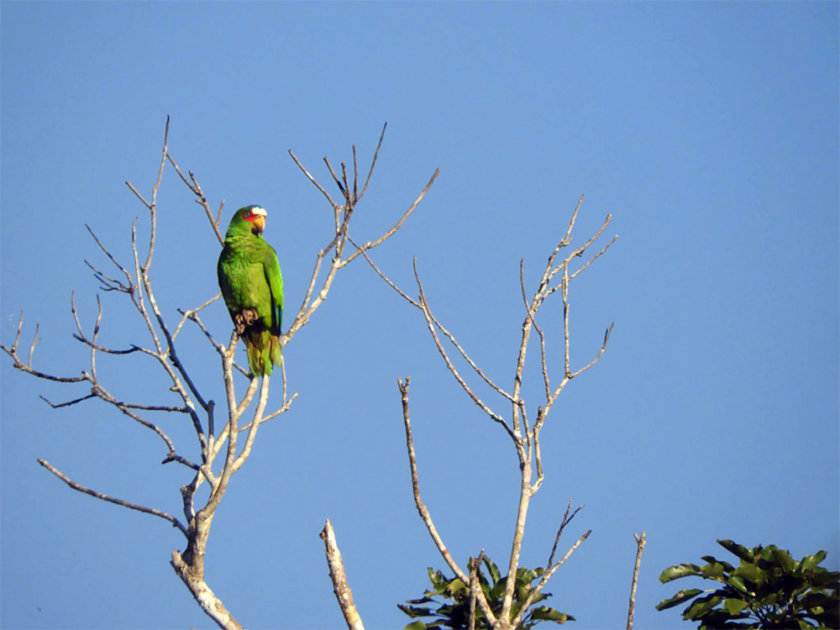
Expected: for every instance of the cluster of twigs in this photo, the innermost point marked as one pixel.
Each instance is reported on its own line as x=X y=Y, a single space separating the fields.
x=220 y=452
x=524 y=433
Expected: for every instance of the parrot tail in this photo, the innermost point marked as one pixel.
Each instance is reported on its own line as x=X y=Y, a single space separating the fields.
x=264 y=352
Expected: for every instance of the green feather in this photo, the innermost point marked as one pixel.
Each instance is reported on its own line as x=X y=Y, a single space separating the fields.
x=252 y=287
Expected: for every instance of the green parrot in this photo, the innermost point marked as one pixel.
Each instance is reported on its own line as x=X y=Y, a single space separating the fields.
x=252 y=286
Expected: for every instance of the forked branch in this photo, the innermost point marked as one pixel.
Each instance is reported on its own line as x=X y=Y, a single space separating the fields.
x=524 y=435
x=221 y=450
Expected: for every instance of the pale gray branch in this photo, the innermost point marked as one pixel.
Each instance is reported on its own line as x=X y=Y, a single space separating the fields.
x=343 y=593
x=421 y=507
x=640 y=548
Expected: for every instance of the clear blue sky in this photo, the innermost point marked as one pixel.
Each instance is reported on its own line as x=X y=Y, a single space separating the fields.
x=709 y=130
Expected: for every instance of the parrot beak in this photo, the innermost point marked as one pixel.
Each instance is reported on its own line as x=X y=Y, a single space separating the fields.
x=259 y=220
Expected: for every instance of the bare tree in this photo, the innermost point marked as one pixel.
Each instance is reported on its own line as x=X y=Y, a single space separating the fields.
x=224 y=449
x=224 y=445
x=523 y=423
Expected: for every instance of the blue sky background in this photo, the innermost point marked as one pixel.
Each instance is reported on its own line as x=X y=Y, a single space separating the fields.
x=709 y=130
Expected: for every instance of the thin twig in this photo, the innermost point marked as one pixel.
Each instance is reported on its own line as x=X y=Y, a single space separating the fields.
x=567 y=518
x=398 y=224
x=373 y=162
x=450 y=366
x=640 y=548
x=99 y=495
x=69 y=403
x=195 y=187
x=475 y=586
x=421 y=507
x=27 y=367
x=545 y=578
x=190 y=314
x=314 y=181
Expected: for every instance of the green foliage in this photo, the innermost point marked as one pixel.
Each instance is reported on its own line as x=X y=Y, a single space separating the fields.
x=769 y=589
x=447 y=602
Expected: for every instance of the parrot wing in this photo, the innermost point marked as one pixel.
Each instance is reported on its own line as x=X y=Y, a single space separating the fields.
x=271 y=267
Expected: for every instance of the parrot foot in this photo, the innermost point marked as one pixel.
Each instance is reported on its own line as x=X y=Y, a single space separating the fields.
x=245 y=318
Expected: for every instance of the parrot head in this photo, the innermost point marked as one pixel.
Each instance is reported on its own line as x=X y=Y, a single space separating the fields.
x=251 y=216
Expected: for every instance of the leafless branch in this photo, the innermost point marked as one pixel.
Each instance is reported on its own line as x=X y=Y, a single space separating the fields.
x=372 y=162
x=341 y=588
x=27 y=367
x=398 y=224
x=598 y=255
x=545 y=578
x=99 y=495
x=68 y=403
x=204 y=596
x=640 y=548
x=195 y=187
x=421 y=507
x=192 y=314
x=475 y=587
x=430 y=323
x=525 y=437
x=342 y=213
x=81 y=336
x=314 y=181
x=567 y=518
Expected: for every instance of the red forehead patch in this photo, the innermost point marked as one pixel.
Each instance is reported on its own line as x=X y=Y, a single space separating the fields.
x=254 y=213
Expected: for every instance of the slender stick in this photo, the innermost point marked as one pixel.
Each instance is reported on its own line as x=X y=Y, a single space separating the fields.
x=475 y=587
x=641 y=541
x=421 y=507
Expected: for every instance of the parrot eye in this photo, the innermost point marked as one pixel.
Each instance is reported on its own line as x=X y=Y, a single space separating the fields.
x=246 y=214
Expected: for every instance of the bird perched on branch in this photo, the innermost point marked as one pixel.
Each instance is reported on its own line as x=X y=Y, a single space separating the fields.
x=252 y=286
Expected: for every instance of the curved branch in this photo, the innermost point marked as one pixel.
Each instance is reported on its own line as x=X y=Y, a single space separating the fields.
x=424 y=511
x=430 y=324
x=99 y=495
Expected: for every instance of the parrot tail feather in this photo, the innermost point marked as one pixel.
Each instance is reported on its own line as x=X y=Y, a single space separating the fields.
x=264 y=352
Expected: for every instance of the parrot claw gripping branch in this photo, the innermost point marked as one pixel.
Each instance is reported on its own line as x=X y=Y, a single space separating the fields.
x=257 y=319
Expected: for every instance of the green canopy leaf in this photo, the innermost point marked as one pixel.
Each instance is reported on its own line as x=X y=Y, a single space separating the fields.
x=678 y=571
x=734 y=606
x=678 y=599
x=738 y=550
x=544 y=613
